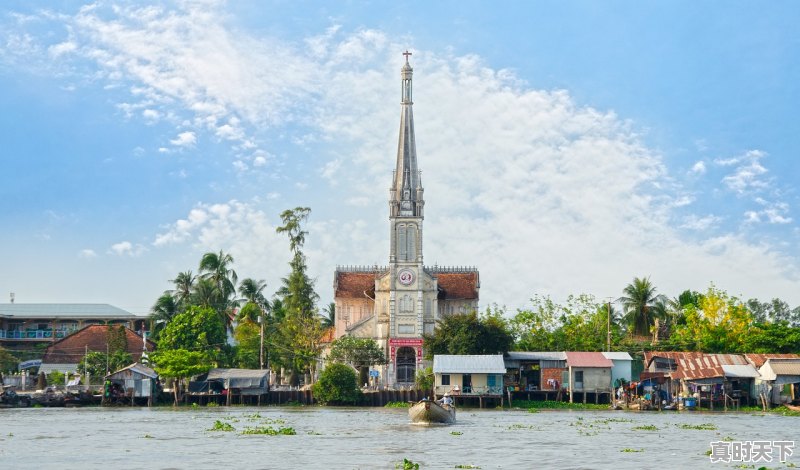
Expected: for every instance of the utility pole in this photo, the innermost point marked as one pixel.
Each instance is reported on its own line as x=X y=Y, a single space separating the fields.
x=608 y=348
x=261 y=349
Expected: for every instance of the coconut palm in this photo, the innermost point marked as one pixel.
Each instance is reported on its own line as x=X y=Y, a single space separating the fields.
x=216 y=268
x=162 y=312
x=329 y=319
x=253 y=291
x=638 y=302
x=184 y=283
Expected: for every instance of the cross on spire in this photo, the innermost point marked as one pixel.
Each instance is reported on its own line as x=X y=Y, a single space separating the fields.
x=406 y=53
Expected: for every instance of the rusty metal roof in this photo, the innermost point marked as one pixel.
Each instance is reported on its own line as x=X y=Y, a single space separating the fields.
x=587 y=359
x=758 y=360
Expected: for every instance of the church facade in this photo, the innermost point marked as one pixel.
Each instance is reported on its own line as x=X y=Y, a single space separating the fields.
x=396 y=304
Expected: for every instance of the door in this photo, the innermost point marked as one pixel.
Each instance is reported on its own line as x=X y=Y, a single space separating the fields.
x=406 y=365
x=466 y=382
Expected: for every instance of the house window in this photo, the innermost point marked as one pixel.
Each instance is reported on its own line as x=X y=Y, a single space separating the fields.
x=578 y=377
x=445 y=379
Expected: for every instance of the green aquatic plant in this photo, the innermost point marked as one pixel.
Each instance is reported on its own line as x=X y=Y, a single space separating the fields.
x=220 y=426
x=396 y=404
x=456 y=433
x=211 y=404
x=699 y=427
x=147 y=436
x=407 y=465
x=269 y=431
x=628 y=449
x=467 y=466
x=645 y=427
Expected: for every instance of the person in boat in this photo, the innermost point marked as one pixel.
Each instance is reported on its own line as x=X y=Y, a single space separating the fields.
x=446 y=400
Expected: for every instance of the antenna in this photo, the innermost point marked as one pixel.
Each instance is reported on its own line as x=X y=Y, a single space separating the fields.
x=12 y=297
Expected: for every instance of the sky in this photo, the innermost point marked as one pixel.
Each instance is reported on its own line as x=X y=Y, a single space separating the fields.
x=566 y=147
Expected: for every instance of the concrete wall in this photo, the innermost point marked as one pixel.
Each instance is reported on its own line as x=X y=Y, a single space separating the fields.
x=594 y=378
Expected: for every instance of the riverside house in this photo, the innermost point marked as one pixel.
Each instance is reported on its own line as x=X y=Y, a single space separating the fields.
x=468 y=375
x=779 y=382
x=588 y=372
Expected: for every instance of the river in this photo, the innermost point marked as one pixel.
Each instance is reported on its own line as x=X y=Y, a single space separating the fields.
x=374 y=438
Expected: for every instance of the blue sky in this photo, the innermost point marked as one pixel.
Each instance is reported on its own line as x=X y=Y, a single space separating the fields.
x=566 y=147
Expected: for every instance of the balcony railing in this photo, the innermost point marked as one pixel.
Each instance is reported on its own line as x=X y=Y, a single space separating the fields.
x=34 y=334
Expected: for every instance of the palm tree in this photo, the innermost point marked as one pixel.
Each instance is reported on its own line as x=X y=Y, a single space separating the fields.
x=329 y=319
x=184 y=283
x=253 y=291
x=215 y=267
x=638 y=302
x=162 y=312
x=205 y=293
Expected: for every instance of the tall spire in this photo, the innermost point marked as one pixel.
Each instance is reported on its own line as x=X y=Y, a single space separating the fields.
x=406 y=193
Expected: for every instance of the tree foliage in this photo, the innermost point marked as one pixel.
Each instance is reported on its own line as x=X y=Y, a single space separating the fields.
x=638 y=301
x=248 y=342
x=180 y=364
x=198 y=328
x=337 y=386
x=469 y=333
x=98 y=364
x=357 y=352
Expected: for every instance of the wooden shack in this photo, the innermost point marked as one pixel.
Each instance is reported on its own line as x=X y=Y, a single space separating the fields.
x=135 y=384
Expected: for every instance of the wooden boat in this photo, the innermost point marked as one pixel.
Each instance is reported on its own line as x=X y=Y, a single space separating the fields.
x=427 y=412
x=792 y=407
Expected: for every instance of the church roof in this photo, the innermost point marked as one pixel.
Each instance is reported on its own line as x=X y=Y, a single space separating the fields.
x=458 y=285
x=352 y=285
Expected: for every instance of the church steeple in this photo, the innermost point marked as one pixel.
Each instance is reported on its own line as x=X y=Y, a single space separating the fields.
x=406 y=192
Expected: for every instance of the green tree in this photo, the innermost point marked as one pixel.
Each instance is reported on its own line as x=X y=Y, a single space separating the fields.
x=337 y=386
x=99 y=364
x=773 y=337
x=179 y=365
x=638 y=301
x=720 y=324
x=216 y=267
x=248 y=341
x=300 y=330
x=469 y=334
x=197 y=328
x=184 y=286
x=360 y=353
x=162 y=312
x=329 y=319
x=7 y=360
x=117 y=339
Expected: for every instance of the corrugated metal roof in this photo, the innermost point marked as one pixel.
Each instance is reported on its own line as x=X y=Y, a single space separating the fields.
x=587 y=359
x=758 y=360
x=617 y=356
x=65 y=310
x=139 y=369
x=785 y=367
x=468 y=364
x=740 y=371
x=215 y=374
x=537 y=355
x=65 y=368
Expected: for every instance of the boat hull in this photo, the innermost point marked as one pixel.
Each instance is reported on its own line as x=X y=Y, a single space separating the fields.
x=429 y=412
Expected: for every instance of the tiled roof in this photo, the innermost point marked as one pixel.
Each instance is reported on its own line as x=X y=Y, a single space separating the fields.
x=758 y=360
x=458 y=285
x=71 y=349
x=353 y=285
x=468 y=364
x=587 y=359
x=65 y=311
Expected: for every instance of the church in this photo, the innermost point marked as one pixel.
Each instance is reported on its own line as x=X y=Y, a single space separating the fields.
x=396 y=304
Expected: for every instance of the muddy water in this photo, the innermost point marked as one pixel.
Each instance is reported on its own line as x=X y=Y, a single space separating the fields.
x=367 y=438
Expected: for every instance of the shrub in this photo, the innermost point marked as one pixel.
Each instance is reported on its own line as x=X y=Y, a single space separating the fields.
x=337 y=386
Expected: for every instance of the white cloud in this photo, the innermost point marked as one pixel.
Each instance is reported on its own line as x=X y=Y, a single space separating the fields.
x=693 y=222
x=184 y=139
x=748 y=176
x=87 y=253
x=698 y=168
x=126 y=248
